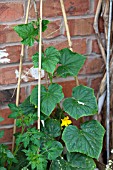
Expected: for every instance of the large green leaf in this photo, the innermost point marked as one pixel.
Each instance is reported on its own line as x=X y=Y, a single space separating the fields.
x=52 y=127
x=49 y=59
x=75 y=161
x=88 y=140
x=52 y=149
x=27 y=32
x=80 y=161
x=82 y=103
x=49 y=97
x=71 y=63
x=60 y=164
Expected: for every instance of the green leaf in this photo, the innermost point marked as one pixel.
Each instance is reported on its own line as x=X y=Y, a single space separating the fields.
x=27 y=32
x=71 y=63
x=15 y=111
x=49 y=98
x=1 y=133
x=37 y=161
x=88 y=140
x=52 y=149
x=44 y=25
x=27 y=107
x=60 y=164
x=9 y=154
x=52 y=127
x=82 y=103
x=49 y=59
x=1 y=119
x=81 y=162
x=76 y=161
x=2 y=168
x=35 y=59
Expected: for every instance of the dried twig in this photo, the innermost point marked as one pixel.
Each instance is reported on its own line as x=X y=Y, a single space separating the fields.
x=97 y=30
x=19 y=79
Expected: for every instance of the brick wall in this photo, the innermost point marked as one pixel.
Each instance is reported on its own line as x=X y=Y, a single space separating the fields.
x=80 y=18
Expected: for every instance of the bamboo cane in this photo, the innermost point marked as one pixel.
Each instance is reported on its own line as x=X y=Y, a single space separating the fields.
x=39 y=67
x=67 y=32
x=19 y=78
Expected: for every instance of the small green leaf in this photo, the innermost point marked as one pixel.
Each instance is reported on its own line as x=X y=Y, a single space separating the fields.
x=52 y=149
x=27 y=107
x=37 y=161
x=82 y=103
x=80 y=161
x=52 y=127
x=88 y=140
x=9 y=154
x=49 y=59
x=1 y=133
x=44 y=25
x=35 y=59
x=15 y=111
x=49 y=98
x=71 y=63
x=1 y=119
x=2 y=168
x=27 y=32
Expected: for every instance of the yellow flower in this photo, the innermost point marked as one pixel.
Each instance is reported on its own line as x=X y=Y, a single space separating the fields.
x=66 y=121
x=36 y=107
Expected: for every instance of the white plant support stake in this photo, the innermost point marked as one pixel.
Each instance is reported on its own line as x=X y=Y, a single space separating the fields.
x=108 y=84
x=19 y=78
x=39 y=67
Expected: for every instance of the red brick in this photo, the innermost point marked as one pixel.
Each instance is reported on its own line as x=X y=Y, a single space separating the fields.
x=53 y=8
x=11 y=11
x=14 y=53
x=9 y=96
x=79 y=45
x=83 y=26
x=95 y=5
x=7 y=34
x=95 y=83
x=69 y=85
x=31 y=51
x=95 y=47
x=53 y=29
x=92 y=66
x=8 y=76
x=5 y=113
x=8 y=135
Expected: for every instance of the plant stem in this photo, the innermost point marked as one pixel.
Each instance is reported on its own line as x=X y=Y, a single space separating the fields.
x=17 y=147
x=50 y=78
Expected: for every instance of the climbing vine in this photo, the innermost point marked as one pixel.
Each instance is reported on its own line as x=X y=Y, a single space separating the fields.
x=59 y=144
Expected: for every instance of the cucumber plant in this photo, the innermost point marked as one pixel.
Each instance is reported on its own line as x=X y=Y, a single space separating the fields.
x=59 y=145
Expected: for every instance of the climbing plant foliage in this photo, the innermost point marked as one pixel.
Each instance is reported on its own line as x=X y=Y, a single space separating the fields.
x=59 y=145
